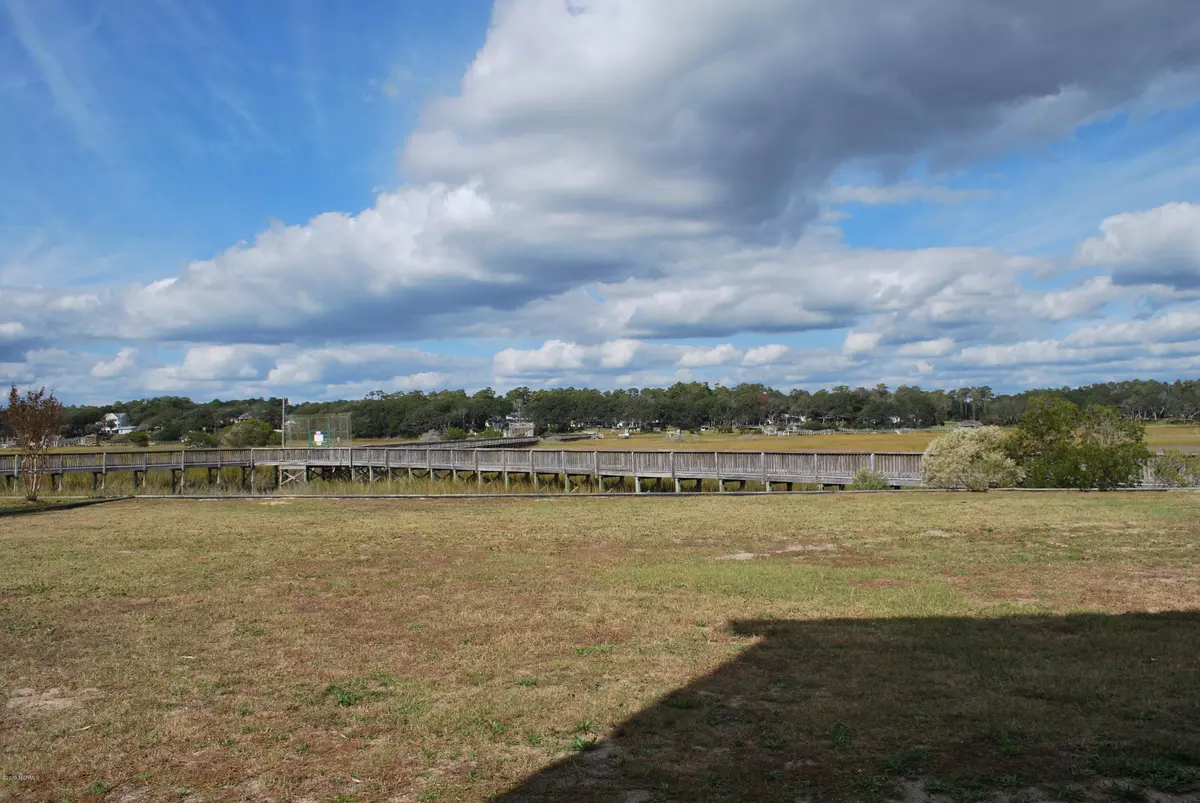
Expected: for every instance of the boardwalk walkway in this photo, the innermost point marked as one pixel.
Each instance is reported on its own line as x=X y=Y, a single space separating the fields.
x=368 y=464
x=538 y=465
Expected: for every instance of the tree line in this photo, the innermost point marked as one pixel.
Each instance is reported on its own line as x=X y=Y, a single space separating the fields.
x=686 y=405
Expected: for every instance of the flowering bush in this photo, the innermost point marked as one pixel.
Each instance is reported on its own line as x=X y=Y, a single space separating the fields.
x=974 y=459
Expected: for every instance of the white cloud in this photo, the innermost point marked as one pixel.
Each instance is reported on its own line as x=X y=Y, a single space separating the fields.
x=1160 y=245
x=702 y=357
x=119 y=365
x=765 y=355
x=861 y=341
x=927 y=348
x=553 y=355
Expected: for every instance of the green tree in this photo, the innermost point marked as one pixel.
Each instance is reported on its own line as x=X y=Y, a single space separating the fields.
x=249 y=433
x=1061 y=446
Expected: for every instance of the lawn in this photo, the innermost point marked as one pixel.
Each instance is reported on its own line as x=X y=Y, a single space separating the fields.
x=799 y=648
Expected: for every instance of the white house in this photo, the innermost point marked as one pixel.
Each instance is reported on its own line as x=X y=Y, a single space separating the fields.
x=116 y=424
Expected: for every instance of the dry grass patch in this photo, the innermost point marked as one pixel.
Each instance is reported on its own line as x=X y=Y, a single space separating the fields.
x=601 y=650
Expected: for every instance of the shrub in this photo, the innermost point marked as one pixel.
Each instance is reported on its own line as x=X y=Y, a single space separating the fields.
x=1060 y=446
x=974 y=459
x=491 y=432
x=248 y=433
x=141 y=439
x=1176 y=469
x=868 y=480
x=454 y=434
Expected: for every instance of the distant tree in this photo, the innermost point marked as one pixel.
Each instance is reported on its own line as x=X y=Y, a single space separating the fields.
x=249 y=433
x=34 y=420
x=140 y=438
x=198 y=439
x=974 y=459
x=454 y=434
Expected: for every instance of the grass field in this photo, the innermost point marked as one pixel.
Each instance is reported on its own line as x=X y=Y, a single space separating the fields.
x=1158 y=437
x=971 y=647
x=717 y=442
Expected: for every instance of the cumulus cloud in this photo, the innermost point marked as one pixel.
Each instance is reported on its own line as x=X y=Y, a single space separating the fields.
x=1160 y=246
x=119 y=365
x=701 y=357
x=764 y=355
x=553 y=355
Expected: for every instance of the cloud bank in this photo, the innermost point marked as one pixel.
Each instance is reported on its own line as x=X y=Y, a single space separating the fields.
x=625 y=191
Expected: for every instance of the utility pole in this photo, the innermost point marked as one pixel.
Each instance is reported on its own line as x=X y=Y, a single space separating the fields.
x=283 y=423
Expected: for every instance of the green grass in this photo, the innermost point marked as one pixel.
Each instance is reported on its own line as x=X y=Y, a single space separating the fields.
x=582 y=650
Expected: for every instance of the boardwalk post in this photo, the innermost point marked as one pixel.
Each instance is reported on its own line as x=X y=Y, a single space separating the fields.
x=762 y=460
x=252 y=471
x=182 y=456
x=478 y=476
x=219 y=462
x=504 y=465
x=562 y=461
x=673 y=477
x=596 y=469
x=104 y=471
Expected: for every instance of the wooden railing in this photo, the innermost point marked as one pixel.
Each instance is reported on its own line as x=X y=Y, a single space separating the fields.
x=824 y=468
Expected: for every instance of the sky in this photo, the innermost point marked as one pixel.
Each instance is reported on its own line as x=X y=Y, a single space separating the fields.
x=220 y=199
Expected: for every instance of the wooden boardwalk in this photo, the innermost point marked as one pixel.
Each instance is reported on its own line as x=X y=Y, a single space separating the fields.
x=771 y=469
x=671 y=470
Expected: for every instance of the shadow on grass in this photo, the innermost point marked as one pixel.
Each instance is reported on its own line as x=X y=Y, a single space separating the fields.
x=1024 y=707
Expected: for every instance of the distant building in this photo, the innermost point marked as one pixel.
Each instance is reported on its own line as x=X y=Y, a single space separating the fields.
x=116 y=424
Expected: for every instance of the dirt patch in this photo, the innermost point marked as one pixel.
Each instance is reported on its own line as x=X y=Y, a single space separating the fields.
x=30 y=702
x=785 y=551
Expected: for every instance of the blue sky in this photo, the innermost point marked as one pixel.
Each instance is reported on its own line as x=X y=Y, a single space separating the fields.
x=321 y=199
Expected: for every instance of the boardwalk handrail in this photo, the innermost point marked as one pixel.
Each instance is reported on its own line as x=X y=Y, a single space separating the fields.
x=806 y=467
